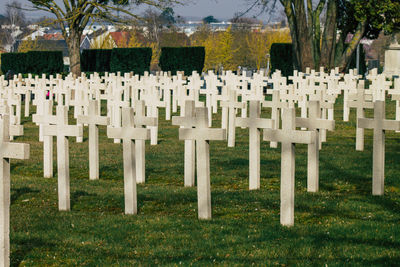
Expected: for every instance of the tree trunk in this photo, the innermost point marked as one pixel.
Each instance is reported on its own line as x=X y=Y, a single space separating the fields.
x=349 y=51
x=302 y=45
x=304 y=42
x=329 y=36
x=73 y=42
x=287 y=4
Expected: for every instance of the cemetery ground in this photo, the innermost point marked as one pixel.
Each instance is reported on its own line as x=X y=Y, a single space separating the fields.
x=341 y=224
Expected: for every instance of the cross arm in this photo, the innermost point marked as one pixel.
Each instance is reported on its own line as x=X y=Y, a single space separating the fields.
x=128 y=133
x=357 y=104
x=15 y=150
x=254 y=122
x=16 y=130
x=145 y=121
x=232 y=105
x=302 y=137
x=70 y=130
x=98 y=120
x=391 y=125
x=315 y=124
x=202 y=134
x=365 y=123
x=183 y=121
x=36 y=118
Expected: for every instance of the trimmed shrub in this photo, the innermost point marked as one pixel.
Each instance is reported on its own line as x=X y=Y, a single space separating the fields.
x=282 y=58
x=35 y=62
x=48 y=62
x=187 y=59
x=131 y=59
x=96 y=60
x=13 y=61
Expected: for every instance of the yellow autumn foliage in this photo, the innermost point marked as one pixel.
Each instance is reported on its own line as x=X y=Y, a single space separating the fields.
x=259 y=44
x=104 y=41
x=29 y=45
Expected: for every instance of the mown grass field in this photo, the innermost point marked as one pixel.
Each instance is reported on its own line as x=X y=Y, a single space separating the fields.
x=341 y=224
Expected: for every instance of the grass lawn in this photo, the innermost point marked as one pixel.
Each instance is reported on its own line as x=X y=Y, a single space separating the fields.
x=341 y=224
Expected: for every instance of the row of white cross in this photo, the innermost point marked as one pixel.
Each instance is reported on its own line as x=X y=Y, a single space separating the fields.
x=132 y=116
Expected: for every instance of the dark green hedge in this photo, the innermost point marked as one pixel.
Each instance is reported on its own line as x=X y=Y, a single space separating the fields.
x=13 y=61
x=35 y=62
x=131 y=59
x=49 y=62
x=96 y=60
x=187 y=59
x=282 y=58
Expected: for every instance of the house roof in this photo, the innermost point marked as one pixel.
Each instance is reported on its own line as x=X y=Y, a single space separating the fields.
x=53 y=36
x=119 y=37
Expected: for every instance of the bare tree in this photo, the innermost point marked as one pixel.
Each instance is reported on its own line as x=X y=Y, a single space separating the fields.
x=14 y=14
x=13 y=19
x=74 y=15
x=154 y=24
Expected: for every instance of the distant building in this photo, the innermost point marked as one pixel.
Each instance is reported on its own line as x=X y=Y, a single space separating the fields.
x=85 y=43
x=34 y=35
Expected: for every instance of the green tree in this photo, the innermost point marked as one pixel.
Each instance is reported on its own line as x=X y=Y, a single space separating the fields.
x=74 y=15
x=168 y=17
x=209 y=19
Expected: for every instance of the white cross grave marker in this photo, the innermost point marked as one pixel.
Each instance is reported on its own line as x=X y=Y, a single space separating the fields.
x=188 y=121
x=62 y=130
x=7 y=151
x=141 y=120
x=202 y=135
x=46 y=119
x=276 y=106
x=359 y=102
x=129 y=134
x=288 y=136
x=314 y=123
x=232 y=105
x=254 y=123
x=93 y=119
x=379 y=124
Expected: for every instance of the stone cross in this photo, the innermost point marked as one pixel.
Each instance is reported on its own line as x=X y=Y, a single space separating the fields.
x=395 y=92
x=46 y=119
x=314 y=123
x=202 y=135
x=359 y=102
x=140 y=120
x=232 y=105
x=254 y=123
x=188 y=121
x=62 y=131
x=40 y=97
x=93 y=119
x=7 y=151
x=276 y=106
x=288 y=136
x=379 y=124
x=129 y=134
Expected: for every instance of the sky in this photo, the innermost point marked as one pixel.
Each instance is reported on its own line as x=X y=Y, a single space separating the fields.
x=221 y=9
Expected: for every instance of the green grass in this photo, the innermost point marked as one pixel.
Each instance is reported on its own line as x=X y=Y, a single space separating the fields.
x=341 y=224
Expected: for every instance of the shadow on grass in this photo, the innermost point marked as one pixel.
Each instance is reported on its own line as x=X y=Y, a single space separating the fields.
x=18 y=192
x=362 y=184
x=77 y=195
x=25 y=246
